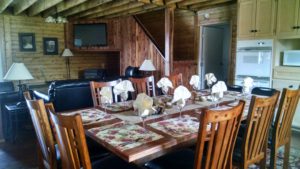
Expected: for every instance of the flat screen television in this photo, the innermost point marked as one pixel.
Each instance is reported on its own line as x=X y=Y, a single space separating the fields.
x=90 y=35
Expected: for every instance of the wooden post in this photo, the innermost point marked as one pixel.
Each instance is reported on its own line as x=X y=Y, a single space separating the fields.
x=169 y=39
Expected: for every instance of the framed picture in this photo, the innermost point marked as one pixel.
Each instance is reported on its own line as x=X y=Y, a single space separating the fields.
x=27 y=42
x=50 y=46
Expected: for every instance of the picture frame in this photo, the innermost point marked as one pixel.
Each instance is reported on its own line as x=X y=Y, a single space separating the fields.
x=27 y=42
x=50 y=46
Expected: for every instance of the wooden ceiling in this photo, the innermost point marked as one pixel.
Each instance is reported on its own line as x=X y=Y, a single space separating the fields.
x=76 y=9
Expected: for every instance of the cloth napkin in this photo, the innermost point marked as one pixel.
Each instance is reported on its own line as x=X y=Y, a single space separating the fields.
x=210 y=78
x=123 y=87
x=195 y=81
x=106 y=94
x=164 y=83
x=181 y=93
x=220 y=87
x=143 y=102
x=247 y=84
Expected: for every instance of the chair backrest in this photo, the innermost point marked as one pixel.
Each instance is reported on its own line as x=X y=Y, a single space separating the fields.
x=176 y=79
x=43 y=131
x=27 y=95
x=96 y=88
x=143 y=85
x=284 y=117
x=264 y=91
x=71 y=141
x=236 y=88
x=260 y=116
x=219 y=138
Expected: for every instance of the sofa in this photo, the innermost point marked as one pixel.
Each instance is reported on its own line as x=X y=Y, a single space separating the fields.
x=75 y=94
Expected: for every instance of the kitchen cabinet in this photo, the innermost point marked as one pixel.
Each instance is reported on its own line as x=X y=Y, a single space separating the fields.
x=290 y=84
x=256 y=19
x=288 y=19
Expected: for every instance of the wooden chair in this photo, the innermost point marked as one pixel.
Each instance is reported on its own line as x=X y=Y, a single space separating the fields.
x=73 y=147
x=44 y=133
x=96 y=87
x=264 y=91
x=281 y=132
x=252 y=148
x=219 y=141
x=143 y=85
x=235 y=88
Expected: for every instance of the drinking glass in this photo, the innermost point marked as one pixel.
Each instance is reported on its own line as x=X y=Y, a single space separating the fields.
x=165 y=90
x=143 y=115
x=215 y=99
x=124 y=97
x=179 y=105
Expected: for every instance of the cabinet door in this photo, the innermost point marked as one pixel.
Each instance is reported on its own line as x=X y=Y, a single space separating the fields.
x=265 y=16
x=246 y=18
x=287 y=18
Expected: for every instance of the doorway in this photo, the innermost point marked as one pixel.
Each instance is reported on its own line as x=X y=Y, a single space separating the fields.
x=215 y=51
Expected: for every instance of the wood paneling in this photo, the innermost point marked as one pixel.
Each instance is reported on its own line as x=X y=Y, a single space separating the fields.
x=137 y=47
x=154 y=22
x=187 y=68
x=184 y=35
x=48 y=67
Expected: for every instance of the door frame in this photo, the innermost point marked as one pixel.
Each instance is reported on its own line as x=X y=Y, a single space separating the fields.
x=200 y=46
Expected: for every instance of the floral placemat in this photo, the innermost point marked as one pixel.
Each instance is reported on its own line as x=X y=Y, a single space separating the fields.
x=92 y=115
x=119 y=107
x=124 y=136
x=177 y=127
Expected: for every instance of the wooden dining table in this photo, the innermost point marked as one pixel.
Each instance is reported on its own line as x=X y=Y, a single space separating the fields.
x=123 y=132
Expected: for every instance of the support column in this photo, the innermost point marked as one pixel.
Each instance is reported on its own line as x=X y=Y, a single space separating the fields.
x=169 y=39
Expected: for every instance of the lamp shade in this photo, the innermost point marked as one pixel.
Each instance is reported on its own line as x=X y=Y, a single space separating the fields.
x=18 y=71
x=67 y=53
x=147 y=66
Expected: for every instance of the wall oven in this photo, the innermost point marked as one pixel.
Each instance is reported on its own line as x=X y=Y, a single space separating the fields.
x=254 y=59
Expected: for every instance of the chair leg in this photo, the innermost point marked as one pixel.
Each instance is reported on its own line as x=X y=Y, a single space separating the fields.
x=273 y=157
x=286 y=155
x=263 y=162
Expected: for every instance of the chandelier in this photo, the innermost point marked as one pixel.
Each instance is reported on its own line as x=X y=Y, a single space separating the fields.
x=59 y=19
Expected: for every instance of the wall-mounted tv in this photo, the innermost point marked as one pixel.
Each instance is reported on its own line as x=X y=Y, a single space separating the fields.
x=90 y=35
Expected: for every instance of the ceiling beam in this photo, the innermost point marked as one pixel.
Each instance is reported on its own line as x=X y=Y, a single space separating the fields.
x=168 y=2
x=101 y=8
x=137 y=10
x=190 y=2
x=21 y=6
x=41 y=6
x=84 y=6
x=4 y=4
x=117 y=9
x=63 y=6
x=208 y=4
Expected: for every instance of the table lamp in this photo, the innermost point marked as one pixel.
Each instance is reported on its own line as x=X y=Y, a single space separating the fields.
x=67 y=53
x=18 y=71
x=147 y=66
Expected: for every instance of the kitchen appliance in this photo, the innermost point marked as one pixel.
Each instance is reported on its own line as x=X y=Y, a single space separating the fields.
x=291 y=58
x=254 y=59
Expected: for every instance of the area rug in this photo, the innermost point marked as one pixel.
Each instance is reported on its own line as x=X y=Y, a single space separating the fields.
x=294 y=161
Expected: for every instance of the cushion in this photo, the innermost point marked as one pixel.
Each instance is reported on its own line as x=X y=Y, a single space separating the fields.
x=182 y=159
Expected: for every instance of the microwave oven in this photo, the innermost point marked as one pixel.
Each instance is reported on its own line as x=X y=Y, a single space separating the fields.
x=291 y=58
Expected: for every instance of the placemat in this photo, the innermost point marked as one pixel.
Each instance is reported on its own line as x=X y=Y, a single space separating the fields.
x=177 y=127
x=124 y=136
x=93 y=115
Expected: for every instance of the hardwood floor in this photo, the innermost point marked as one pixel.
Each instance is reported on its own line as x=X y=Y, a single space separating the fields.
x=19 y=155
x=22 y=154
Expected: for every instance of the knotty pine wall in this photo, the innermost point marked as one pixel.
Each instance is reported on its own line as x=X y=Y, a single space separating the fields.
x=137 y=47
x=47 y=67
